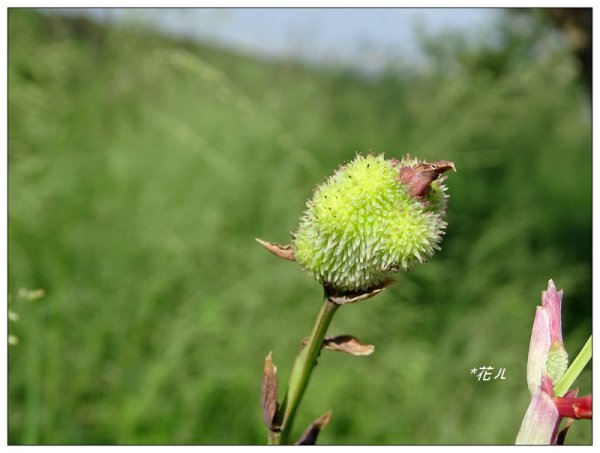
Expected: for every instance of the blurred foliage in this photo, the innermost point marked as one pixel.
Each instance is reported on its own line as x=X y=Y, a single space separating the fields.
x=141 y=169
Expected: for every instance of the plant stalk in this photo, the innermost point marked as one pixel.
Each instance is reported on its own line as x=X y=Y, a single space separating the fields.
x=574 y=369
x=301 y=372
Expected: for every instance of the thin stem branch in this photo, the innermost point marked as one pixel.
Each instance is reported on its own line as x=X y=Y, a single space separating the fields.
x=302 y=370
x=574 y=369
x=273 y=438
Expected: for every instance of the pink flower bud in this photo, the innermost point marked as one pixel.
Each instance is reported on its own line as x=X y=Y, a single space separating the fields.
x=546 y=363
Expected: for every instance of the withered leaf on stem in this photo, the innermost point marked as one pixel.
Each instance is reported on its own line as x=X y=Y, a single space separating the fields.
x=312 y=432
x=268 y=394
x=347 y=297
x=561 y=436
x=282 y=251
x=348 y=344
x=345 y=343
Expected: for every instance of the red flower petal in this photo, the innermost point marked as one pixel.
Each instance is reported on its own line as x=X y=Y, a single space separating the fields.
x=573 y=407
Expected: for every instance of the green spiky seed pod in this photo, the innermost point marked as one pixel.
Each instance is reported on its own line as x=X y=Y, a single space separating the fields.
x=370 y=219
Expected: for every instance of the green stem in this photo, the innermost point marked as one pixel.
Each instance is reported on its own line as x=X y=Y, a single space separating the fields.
x=574 y=369
x=302 y=369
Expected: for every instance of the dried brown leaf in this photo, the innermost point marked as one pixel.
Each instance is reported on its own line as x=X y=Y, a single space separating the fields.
x=345 y=343
x=312 y=432
x=348 y=344
x=347 y=297
x=560 y=438
x=282 y=251
x=268 y=394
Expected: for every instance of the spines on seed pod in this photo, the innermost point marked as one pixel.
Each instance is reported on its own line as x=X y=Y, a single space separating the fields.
x=370 y=219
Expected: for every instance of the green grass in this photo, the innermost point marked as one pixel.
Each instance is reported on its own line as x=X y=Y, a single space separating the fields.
x=141 y=169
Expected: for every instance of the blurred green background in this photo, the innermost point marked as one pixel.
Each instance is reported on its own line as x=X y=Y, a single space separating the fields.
x=141 y=168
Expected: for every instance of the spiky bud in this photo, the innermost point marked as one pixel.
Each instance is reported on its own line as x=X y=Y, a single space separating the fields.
x=370 y=219
x=557 y=362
